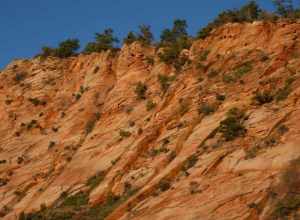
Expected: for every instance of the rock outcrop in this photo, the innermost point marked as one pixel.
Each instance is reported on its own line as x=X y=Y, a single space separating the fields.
x=172 y=154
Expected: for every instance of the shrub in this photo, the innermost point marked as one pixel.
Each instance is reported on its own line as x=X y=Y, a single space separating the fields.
x=237 y=73
x=154 y=152
x=128 y=109
x=212 y=74
x=97 y=116
x=124 y=134
x=288 y=203
x=282 y=94
x=97 y=68
x=55 y=129
x=242 y=70
x=47 y=52
x=76 y=200
x=103 y=42
x=251 y=152
x=203 y=55
x=180 y=62
x=165 y=81
x=20 y=76
x=32 y=124
x=22 y=216
x=150 y=105
x=206 y=109
x=235 y=112
x=190 y=162
x=204 y=32
x=51 y=144
x=282 y=129
x=171 y=156
x=3 y=161
x=77 y=96
x=220 y=97
x=140 y=90
x=37 y=102
x=232 y=127
x=94 y=181
x=3 y=181
x=8 y=101
x=263 y=97
x=76 y=207
x=264 y=57
x=164 y=185
x=131 y=123
x=228 y=78
x=289 y=81
x=89 y=127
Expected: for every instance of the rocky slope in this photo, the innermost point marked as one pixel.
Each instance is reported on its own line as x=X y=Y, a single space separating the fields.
x=76 y=127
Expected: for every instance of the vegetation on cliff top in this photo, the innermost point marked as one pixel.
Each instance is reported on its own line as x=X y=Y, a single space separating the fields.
x=174 y=40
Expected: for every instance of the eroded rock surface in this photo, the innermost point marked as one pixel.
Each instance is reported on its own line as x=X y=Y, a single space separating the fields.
x=64 y=121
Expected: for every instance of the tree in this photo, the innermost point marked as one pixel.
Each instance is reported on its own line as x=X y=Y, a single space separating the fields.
x=204 y=32
x=284 y=7
x=106 y=40
x=103 y=42
x=47 y=52
x=177 y=33
x=145 y=36
x=166 y=37
x=91 y=47
x=249 y=12
x=130 y=38
x=67 y=48
x=179 y=28
x=173 y=41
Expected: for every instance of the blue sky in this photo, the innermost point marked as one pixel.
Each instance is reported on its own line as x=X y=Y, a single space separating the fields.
x=28 y=25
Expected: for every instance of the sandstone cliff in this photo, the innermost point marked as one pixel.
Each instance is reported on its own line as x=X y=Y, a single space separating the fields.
x=72 y=126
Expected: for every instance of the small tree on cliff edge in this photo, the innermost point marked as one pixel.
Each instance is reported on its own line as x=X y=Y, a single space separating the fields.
x=65 y=49
x=145 y=36
x=247 y=13
x=177 y=33
x=173 y=41
x=284 y=7
x=103 y=42
x=130 y=38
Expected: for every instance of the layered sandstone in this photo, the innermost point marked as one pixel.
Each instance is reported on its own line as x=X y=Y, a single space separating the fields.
x=61 y=121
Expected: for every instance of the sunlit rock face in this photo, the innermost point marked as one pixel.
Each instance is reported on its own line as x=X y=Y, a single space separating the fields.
x=77 y=125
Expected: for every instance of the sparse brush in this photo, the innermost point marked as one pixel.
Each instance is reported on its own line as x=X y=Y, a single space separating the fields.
x=140 y=90
x=264 y=97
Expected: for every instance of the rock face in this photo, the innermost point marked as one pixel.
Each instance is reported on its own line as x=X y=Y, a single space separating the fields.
x=64 y=121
